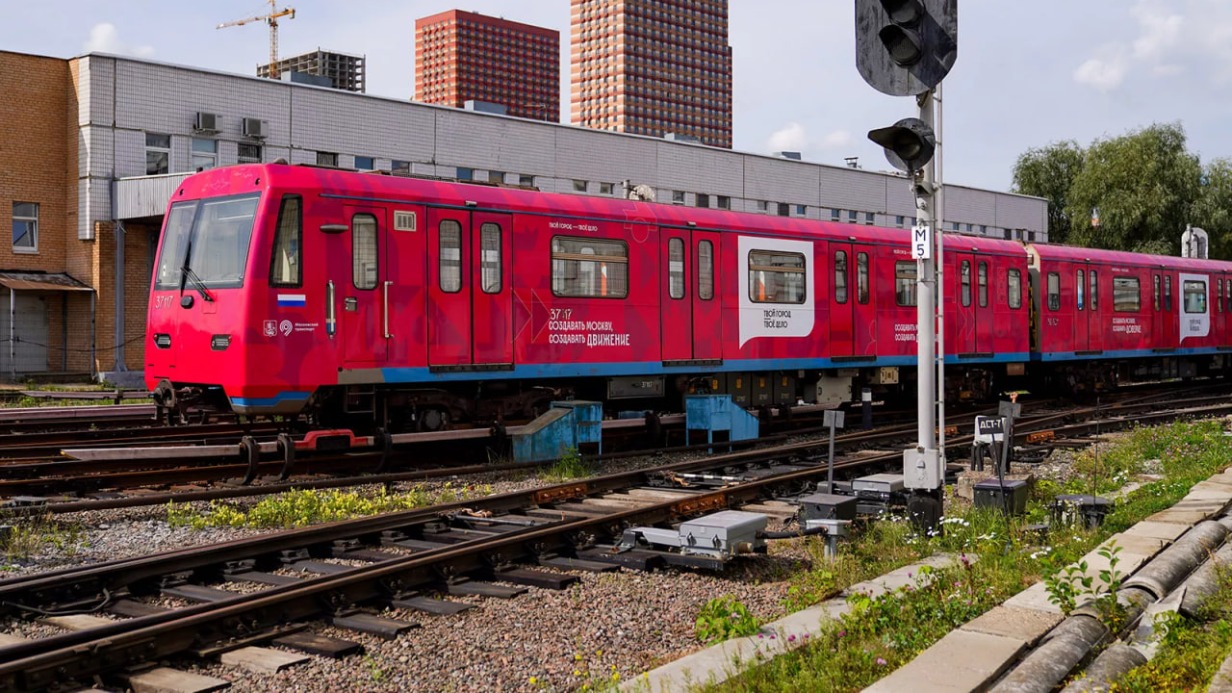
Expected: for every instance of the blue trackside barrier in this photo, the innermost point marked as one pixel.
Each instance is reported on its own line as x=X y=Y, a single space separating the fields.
x=561 y=428
x=711 y=413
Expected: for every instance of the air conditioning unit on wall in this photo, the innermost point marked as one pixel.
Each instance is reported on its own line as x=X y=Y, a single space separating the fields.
x=205 y=122
x=254 y=128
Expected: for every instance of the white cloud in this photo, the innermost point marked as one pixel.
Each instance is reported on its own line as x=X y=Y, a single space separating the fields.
x=1161 y=31
x=1104 y=74
x=105 y=38
x=794 y=138
x=790 y=138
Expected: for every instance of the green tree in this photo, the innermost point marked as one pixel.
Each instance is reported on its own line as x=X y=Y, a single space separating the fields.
x=1143 y=185
x=1048 y=172
x=1213 y=209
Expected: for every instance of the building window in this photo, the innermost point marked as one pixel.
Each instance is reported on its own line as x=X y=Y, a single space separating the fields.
x=249 y=153
x=801 y=210
x=464 y=173
x=784 y=209
x=899 y=220
x=589 y=267
x=579 y=186
x=703 y=200
x=157 y=154
x=723 y=202
x=400 y=168
x=868 y=217
x=204 y=154
x=853 y=216
x=496 y=177
x=904 y=283
x=25 y=227
x=763 y=206
x=327 y=159
x=776 y=277
x=526 y=181
x=364 y=163
x=677 y=197
x=605 y=188
x=836 y=214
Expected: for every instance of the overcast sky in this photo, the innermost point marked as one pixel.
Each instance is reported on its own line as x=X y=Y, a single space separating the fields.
x=1028 y=73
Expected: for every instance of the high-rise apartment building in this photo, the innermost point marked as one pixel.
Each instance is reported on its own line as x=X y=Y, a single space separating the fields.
x=464 y=56
x=652 y=67
x=341 y=70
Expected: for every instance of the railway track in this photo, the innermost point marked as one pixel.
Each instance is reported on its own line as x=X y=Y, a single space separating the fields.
x=337 y=574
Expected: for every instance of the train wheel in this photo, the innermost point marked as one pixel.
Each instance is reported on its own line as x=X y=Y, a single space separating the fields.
x=433 y=420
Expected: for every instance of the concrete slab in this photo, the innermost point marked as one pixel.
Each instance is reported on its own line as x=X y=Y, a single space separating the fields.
x=1026 y=625
x=961 y=661
x=76 y=622
x=1135 y=544
x=262 y=659
x=1167 y=531
x=1207 y=494
x=1222 y=683
x=902 y=577
x=1174 y=515
x=1034 y=598
x=167 y=680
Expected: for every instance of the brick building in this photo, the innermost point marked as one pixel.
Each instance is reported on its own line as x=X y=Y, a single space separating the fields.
x=652 y=67
x=98 y=144
x=464 y=56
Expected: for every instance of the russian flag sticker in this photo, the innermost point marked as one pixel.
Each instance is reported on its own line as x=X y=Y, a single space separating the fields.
x=292 y=300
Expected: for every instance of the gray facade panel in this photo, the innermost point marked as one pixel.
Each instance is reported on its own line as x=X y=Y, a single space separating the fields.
x=703 y=169
x=781 y=180
x=860 y=190
x=468 y=139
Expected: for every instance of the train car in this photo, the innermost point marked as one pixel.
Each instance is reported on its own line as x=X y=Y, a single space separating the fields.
x=336 y=295
x=1106 y=316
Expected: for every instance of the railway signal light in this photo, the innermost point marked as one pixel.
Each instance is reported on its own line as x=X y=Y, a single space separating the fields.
x=906 y=47
x=909 y=143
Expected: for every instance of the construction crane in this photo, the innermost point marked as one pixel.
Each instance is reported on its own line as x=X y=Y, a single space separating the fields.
x=272 y=20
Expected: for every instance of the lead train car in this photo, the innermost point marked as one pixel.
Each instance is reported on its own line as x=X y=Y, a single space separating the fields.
x=304 y=291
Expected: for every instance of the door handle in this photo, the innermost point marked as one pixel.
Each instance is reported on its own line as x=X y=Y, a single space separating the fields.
x=385 y=291
x=331 y=319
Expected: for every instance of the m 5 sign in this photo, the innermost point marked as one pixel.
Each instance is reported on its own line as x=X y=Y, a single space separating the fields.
x=921 y=242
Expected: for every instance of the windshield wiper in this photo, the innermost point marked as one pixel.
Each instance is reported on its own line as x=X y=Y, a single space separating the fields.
x=187 y=273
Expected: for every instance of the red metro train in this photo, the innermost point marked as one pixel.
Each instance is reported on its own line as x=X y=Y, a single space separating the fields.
x=337 y=297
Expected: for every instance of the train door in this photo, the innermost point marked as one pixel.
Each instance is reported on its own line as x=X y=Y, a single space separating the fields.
x=985 y=321
x=1158 y=318
x=676 y=328
x=491 y=288
x=470 y=304
x=1095 y=310
x=707 y=306
x=852 y=307
x=962 y=338
x=362 y=317
x=1082 y=323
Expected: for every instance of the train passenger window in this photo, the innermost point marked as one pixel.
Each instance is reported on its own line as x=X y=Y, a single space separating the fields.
x=1054 y=291
x=450 y=258
x=840 y=276
x=1094 y=295
x=982 y=286
x=675 y=267
x=174 y=244
x=1195 y=296
x=776 y=277
x=285 y=267
x=705 y=270
x=363 y=251
x=490 y=259
x=1157 y=292
x=1168 y=293
x=965 y=276
x=862 y=278
x=589 y=267
x=1080 y=284
x=1125 y=294
x=1014 y=288
x=904 y=283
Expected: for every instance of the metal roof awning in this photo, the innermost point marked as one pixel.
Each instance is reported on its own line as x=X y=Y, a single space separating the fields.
x=35 y=281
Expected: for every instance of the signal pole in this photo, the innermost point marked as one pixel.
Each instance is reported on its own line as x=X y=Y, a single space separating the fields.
x=905 y=48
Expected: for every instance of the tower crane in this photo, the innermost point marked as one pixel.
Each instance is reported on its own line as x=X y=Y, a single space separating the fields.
x=272 y=20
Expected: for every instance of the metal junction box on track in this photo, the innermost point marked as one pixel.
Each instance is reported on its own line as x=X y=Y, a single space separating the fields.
x=724 y=534
x=828 y=506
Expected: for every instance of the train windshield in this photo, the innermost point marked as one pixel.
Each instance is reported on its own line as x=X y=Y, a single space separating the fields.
x=207 y=241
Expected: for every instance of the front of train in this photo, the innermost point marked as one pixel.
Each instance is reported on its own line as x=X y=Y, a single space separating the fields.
x=201 y=301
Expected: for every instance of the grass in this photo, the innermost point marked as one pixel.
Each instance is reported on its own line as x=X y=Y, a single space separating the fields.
x=300 y=508
x=880 y=634
x=571 y=465
x=30 y=534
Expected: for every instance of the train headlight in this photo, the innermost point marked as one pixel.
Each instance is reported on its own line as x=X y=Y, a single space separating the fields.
x=220 y=342
x=162 y=341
